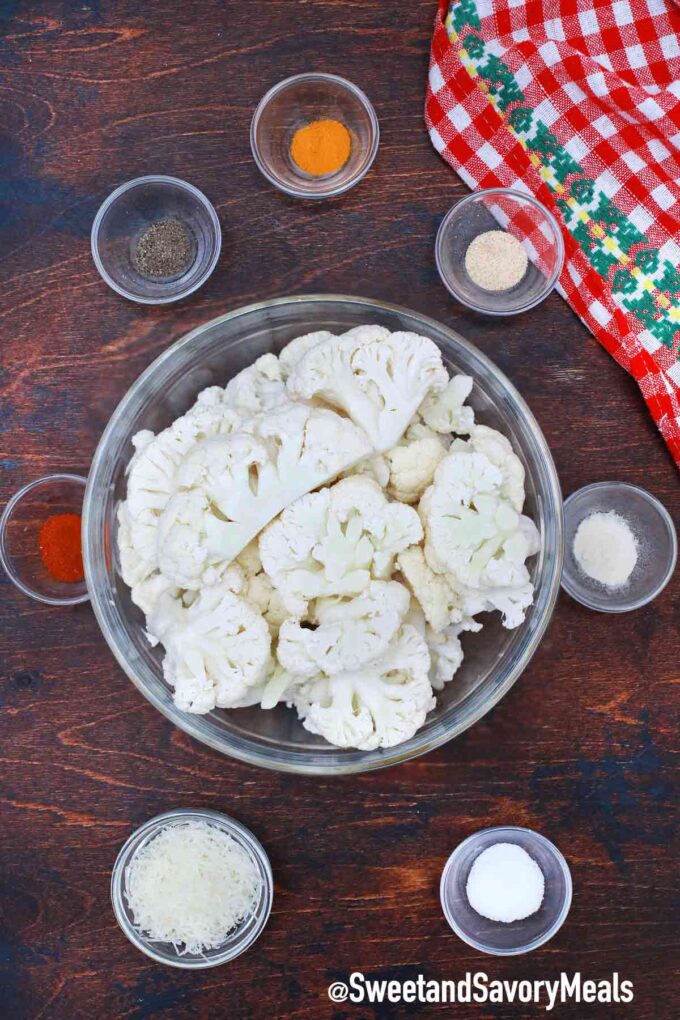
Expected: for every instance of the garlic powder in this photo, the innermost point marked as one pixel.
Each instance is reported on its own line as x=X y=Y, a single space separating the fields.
x=495 y=260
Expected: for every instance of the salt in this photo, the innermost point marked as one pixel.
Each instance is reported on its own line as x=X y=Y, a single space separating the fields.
x=606 y=549
x=505 y=884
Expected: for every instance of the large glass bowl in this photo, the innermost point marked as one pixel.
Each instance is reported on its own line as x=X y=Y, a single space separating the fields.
x=212 y=354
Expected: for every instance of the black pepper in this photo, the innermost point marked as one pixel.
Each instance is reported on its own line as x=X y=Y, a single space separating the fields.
x=164 y=249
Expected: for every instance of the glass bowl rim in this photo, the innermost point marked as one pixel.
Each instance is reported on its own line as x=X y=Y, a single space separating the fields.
x=5 y=560
x=154 y=825
x=348 y=86
x=627 y=607
x=111 y=200
x=258 y=757
x=508 y=830
x=512 y=193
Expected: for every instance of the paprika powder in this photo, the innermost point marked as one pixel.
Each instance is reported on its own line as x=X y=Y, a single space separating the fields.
x=61 y=547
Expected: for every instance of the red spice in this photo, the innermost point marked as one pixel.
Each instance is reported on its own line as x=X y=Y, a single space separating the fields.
x=60 y=547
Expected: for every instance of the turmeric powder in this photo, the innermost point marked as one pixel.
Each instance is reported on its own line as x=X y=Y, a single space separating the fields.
x=321 y=147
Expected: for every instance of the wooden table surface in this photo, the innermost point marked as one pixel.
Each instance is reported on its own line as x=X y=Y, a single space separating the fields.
x=92 y=94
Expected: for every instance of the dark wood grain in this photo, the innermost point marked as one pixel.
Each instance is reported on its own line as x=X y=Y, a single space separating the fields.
x=92 y=94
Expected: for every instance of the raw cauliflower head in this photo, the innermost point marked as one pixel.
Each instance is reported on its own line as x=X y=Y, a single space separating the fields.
x=348 y=633
x=378 y=379
x=216 y=650
x=476 y=538
x=379 y=705
x=334 y=542
x=233 y=486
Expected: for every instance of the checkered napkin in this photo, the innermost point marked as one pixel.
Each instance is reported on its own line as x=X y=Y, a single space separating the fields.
x=582 y=110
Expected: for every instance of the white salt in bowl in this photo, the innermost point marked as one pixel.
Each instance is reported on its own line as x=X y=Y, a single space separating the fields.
x=496 y=937
x=657 y=546
x=238 y=940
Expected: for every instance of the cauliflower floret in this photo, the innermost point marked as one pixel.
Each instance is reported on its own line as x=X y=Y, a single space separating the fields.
x=293 y=351
x=233 y=486
x=446 y=411
x=256 y=388
x=498 y=449
x=412 y=466
x=152 y=480
x=333 y=542
x=379 y=705
x=378 y=380
x=261 y=593
x=446 y=651
x=349 y=633
x=476 y=538
x=216 y=650
x=437 y=599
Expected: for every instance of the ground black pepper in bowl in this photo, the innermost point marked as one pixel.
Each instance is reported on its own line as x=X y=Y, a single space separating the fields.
x=164 y=249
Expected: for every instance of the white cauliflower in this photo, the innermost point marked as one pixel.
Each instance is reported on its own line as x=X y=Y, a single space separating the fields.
x=349 y=633
x=498 y=449
x=438 y=600
x=476 y=538
x=379 y=705
x=412 y=465
x=378 y=380
x=152 y=480
x=293 y=351
x=216 y=650
x=232 y=487
x=446 y=410
x=256 y=388
x=446 y=651
x=335 y=541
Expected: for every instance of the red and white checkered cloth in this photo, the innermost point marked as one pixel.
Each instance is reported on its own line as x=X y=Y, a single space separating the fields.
x=578 y=103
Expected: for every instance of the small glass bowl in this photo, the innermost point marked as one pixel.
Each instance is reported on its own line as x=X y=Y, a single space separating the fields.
x=240 y=939
x=520 y=215
x=495 y=937
x=20 y=525
x=297 y=101
x=656 y=539
x=128 y=212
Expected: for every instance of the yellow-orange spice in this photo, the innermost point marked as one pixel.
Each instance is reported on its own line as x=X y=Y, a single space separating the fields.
x=321 y=147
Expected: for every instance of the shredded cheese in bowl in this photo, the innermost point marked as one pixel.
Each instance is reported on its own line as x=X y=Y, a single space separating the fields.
x=188 y=888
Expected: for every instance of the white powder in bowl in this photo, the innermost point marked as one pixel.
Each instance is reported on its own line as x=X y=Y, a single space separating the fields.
x=606 y=549
x=495 y=260
x=505 y=883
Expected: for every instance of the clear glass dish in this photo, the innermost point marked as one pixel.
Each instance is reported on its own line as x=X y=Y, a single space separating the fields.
x=20 y=526
x=243 y=935
x=495 y=937
x=297 y=101
x=128 y=212
x=211 y=355
x=657 y=546
x=526 y=220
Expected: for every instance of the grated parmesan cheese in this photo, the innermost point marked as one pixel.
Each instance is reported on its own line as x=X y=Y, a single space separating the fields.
x=191 y=885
